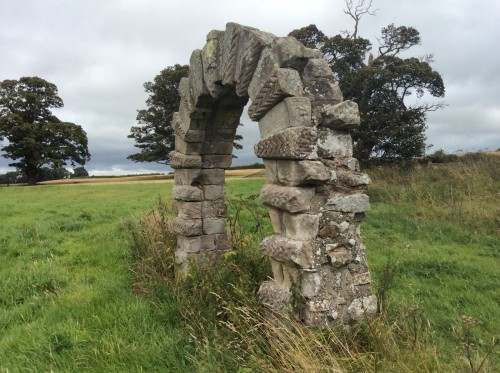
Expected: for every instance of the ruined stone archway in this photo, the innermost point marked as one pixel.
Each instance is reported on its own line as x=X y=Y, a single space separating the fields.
x=314 y=190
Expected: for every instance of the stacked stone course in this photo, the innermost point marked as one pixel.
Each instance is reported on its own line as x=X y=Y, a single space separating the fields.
x=314 y=191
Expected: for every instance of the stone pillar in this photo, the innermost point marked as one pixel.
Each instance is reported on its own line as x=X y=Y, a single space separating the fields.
x=314 y=191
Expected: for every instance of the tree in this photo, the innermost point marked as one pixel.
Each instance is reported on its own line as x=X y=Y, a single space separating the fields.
x=155 y=137
x=391 y=128
x=35 y=137
x=79 y=172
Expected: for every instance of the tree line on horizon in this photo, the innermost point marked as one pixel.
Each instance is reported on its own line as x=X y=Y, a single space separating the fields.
x=377 y=78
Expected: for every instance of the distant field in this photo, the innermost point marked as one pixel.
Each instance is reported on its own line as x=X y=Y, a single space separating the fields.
x=147 y=178
x=68 y=296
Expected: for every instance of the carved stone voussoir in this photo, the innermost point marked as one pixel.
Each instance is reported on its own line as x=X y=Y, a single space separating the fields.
x=291 y=199
x=179 y=160
x=291 y=112
x=231 y=47
x=283 y=83
x=196 y=82
x=253 y=42
x=211 y=58
x=292 y=143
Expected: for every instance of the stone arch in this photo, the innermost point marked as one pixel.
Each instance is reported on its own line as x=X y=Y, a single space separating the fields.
x=314 y=191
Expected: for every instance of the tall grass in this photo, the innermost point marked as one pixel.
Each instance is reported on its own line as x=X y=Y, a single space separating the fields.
x=465 y=192
x=231 y=331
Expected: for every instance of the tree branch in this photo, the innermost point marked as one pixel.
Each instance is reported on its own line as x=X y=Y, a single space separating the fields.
x=356 y=11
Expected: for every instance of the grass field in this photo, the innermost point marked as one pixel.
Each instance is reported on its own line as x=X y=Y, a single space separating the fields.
x=78 y=291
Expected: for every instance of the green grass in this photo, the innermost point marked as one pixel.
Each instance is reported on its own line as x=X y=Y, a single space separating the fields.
x=86 y=282
x=65 y=282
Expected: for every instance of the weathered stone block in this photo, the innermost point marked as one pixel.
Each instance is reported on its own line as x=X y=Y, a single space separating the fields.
x=195 y=244
x=362 y=306
x=341 y=116
x=216 y=160
x=276 y=220
x=311 y=283
x=291 y=112
x=222 y=242
x=323 y=91
x=294 y=173
x=189 y=148
x=214 y=209
x=187 y=227
x=353 y=179
x=316 y=68
x=211 y=58
x=189 y=210
x=187 y=193
x=217 y=147
x=339 y=255
x=182 y=129
x=292 y=143
x=214 y=225
x=301 y=226
x=194 y=176
x=266 y=67
x=351 y=203
x=291 y=199
x=293 y=54
x=283 y=83
x=179 y=160
x=212 y=192
x=288 y=251
x=275 y=296
x=252 y=45
x=199 y=91
x=231 y=48
x=332 y=144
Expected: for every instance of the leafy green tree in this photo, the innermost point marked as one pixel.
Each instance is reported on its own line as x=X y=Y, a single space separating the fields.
x=79 y=172
x=154 y=136
x=391 y=128
x=53 y=173
x=35 y=137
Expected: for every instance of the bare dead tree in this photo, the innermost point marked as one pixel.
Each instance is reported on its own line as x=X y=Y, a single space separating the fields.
x=356 y=11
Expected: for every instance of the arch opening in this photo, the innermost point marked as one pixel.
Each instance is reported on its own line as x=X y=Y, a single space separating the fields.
x=314 y=190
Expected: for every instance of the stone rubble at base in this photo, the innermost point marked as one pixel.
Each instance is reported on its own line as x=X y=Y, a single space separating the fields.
x=315 y=193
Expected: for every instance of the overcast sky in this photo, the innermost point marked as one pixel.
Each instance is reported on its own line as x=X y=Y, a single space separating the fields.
x=100 y=52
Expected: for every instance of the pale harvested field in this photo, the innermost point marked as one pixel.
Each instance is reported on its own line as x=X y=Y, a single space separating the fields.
x=231 y=174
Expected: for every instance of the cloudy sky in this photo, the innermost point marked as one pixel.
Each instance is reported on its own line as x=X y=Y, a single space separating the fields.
x=100 y=52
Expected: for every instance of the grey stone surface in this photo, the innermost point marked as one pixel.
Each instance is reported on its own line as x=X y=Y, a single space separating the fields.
x=292 y=54
x=286 y=250
x=214 y=225
x=216 y=160
x=350 y=203
x=199 y=176
x=314 y=188
x=332 y=144
x=291 y=199
x=283 y=83
x=344 y=115
x=291 y=112
x=292 y=143
x=213 y=192
x=187 y=227
x=300 y=226
x=179 y=160
x=187 y=193
x=295 y=173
